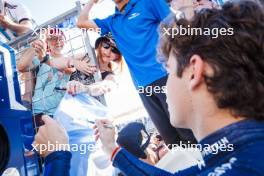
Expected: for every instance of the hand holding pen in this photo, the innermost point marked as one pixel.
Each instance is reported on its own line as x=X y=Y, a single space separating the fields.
x=105 y=131
x=110 y=126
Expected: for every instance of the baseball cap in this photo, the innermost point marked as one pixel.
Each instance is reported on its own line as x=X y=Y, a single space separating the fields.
x=134 y=138
x=106 y=38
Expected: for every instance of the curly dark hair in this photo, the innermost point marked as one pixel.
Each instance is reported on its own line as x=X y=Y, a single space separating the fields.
x=237 y=60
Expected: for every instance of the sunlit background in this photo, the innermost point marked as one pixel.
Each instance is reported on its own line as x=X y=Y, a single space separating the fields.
x=124 y=103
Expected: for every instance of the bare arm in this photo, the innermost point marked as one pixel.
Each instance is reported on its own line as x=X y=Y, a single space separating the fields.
x=99 y=88
x=83 y=20
x=22 y=27
x=78 y=62
x=19 y=28
x=109 y=82
x=63 y=62
x=38 y=49
x=96 y=89
x=60 y=63
x=24 y=62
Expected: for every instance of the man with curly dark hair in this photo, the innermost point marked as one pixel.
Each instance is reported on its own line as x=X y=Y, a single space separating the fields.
x=220 y=92
x=220 y=95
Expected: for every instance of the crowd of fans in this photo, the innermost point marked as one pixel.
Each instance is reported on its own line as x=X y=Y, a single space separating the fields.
x=214 y=85
x=53 y=73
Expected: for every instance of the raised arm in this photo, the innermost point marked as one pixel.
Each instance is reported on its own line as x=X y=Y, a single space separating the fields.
x=83 y=20
x=21 y=21
x=20 y=28
x=24 y=62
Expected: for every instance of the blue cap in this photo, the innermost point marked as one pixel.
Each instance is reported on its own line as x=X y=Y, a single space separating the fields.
x=134 y=138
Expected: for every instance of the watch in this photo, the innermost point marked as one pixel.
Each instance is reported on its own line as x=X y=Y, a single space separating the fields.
x=45 y=59
x=70 y=63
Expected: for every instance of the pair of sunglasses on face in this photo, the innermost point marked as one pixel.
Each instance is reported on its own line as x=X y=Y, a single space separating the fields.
x=113 y=48
x=56 y=38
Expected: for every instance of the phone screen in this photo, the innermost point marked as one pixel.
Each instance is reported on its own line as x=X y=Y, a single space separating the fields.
x=37 y=119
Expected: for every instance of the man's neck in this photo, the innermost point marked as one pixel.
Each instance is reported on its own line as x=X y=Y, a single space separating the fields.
x=121 y=5
x=207 y=123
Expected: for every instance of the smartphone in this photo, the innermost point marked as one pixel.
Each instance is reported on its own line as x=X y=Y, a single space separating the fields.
x=37 y=120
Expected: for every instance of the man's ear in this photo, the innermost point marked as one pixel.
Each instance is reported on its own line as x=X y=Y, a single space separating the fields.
x=197 y=67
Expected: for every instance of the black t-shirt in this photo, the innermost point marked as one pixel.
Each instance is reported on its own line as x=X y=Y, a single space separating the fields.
x=105 y=74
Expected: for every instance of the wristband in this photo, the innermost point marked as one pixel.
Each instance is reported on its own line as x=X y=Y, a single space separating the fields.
x=114 y=152
x=70 y=63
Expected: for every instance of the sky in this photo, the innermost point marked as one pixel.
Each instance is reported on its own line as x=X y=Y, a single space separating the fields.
x=43 y=11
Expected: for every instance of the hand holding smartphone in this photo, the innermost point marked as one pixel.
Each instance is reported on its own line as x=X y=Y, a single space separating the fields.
x=37 y=120
x=184 y=6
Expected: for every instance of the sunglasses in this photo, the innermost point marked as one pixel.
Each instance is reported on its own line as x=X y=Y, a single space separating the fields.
x=113 y=48
x=56 y=38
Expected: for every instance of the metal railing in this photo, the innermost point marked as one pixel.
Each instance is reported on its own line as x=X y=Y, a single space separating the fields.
x=77 y=41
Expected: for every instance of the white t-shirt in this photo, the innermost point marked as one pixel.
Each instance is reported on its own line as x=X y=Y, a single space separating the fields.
x=17 y=13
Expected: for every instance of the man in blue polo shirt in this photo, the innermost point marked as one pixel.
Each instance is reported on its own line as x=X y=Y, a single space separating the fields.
x=134 y=26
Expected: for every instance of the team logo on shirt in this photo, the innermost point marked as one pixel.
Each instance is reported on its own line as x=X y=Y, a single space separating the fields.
x=223 y=168
x=133 y=15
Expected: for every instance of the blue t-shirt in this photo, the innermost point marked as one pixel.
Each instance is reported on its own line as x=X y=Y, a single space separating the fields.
x=136 y=35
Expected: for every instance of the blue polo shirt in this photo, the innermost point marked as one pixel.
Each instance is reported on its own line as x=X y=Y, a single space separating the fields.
x=136 y=35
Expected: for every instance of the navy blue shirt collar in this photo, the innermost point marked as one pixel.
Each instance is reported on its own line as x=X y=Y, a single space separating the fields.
x=221 y=133
x=233 y=135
